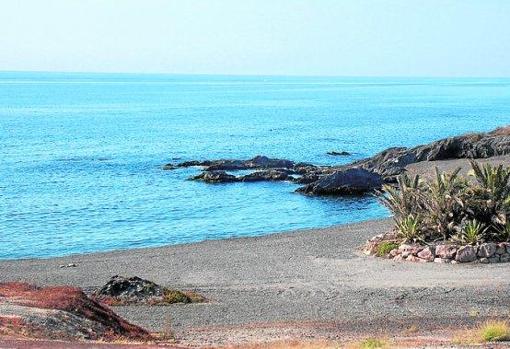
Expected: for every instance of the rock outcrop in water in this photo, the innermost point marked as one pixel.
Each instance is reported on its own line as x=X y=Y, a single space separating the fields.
x=348 y=179
x=353 y=181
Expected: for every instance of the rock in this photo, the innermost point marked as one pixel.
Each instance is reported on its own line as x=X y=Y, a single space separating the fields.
x=132 y=288
x=267 y=175
x=354 y=181
x=392 y=161
x=120 y=290
x=466 y=254
x=409 y=250
x=427 y=254
x=70 y=265
x=258 y=162
x=215 y=177
x=484 y=260
x=504 y=258
x=412 y=258
x=494 y=259
x=501 y=248
x=307 y=178
x=398 y=258
x=442 y=260
x=487 y=250
x=338 y=153
x=61 y=312
x=168 y=167
x=446 y=251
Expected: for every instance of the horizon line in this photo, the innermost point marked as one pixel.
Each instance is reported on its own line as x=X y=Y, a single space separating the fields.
x=258 y=75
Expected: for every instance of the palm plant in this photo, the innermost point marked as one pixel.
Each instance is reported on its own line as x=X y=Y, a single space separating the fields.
x=472 y=232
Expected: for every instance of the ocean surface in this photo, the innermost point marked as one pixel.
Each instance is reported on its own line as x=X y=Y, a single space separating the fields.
x=81 y=154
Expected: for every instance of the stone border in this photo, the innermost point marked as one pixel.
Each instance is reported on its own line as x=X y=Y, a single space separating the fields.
x=488 y=252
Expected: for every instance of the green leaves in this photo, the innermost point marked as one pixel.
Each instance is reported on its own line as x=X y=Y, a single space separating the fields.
x=452 y=208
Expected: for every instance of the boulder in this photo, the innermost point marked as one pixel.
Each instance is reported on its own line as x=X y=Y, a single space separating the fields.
x=215 y=177
x=130 y=288
x=446 y=251
x=427 y=254
x=487 y=250
x=353 y=181
x=466 y=254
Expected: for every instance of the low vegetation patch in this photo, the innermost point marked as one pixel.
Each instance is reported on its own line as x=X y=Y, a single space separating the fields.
x=373 y=343
x=385 y=247
x=450 y=218
x=495 y=331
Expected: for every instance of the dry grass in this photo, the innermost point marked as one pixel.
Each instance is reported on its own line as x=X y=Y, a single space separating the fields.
x=495 y=331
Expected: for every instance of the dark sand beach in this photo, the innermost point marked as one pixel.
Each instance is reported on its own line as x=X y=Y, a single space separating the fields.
x=302 y=284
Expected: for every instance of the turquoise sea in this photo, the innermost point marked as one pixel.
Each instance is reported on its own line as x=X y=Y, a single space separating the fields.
x=81 y=154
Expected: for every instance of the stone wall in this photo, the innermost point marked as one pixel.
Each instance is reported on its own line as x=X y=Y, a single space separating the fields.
x=439 y=253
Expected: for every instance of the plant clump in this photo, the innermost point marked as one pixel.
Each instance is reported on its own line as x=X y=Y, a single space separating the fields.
x=451 y=219
x=495 y=331
x=452 y=208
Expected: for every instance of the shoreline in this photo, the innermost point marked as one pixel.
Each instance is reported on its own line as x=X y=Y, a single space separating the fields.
x=310 y=283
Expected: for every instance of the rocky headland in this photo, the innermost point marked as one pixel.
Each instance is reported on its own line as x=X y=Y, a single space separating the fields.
x=359 y=177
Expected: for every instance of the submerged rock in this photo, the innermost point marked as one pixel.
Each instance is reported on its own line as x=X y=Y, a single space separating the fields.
x=338 y=153
x=351 y=181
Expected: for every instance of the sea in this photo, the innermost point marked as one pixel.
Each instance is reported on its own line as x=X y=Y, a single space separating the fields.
x=82 y=153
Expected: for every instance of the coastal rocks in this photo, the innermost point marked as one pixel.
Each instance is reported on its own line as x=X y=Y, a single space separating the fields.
x=215 y=177
x=60 y=312
x=258 y=162
x=353 y=181
x=121 y=290
x=267 y=175
x=168 y=167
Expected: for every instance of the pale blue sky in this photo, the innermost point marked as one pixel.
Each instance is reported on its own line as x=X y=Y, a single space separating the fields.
x=277 y=37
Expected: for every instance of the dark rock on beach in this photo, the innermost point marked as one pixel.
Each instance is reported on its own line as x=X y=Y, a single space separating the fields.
x=353 y=181
x=215 y=177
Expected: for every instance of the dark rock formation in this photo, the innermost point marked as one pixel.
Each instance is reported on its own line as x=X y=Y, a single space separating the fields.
x=168 y=167
x=130 y=288
x=268 y=175
x=258 y=162
x=338 y=153
x=134 y=290
x=60 y=312
x=215 y=177
x=387 y=164
x=353 y=181
x=392 y=162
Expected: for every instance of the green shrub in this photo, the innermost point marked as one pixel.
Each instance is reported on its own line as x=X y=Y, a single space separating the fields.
x=372 y=343
x=495 y=331
x=452 y=208
x=385 y=247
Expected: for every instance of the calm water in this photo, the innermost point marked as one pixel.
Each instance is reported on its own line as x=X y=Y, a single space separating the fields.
x=81 y=153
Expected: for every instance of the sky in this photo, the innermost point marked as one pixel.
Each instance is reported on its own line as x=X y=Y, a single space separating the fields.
x=258 y=37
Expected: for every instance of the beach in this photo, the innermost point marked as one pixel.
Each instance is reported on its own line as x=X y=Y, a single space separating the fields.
x=308 y=284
